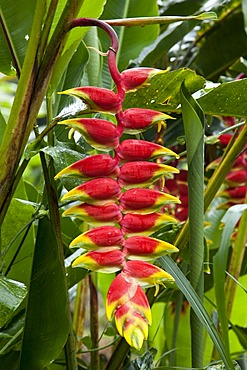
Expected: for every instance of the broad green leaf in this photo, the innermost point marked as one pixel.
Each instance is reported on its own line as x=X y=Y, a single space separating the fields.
x=12 y=293
x=224 y=44
x=194 y=135
x=241 y=333
x=230 y=219
x=47 y=322
x=17 y=18
x=228 y=99
x=184 y=285
x=163 y=93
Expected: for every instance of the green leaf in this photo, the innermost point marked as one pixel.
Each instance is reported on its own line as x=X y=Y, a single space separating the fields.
x=17 y=18
x=241 y=333
x=163 y=93
x=224 y=44
x=47 y=322
x=184 y=285
x=194 y=135
x=220 y=264
x=228 y=99
x=12 y=293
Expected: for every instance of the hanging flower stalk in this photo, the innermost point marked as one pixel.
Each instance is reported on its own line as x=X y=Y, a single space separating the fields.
x=114 y=197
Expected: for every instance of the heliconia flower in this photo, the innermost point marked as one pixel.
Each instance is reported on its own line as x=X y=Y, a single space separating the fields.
x=237 y=192
x=109 y=214
x=136 y=120
x=107 y=260
x=132 y=326
x=238 y=176
x=141 y=150
x=146 y=274
x=98 y=165
x=136 y=174
x=99 y=133
x=225 y=139
x=137 y=77
x=102 y=236
x=96 y=98
x=124 y=290
x=97 y=191
x=145 y=200
x=134 y=224
x=146 y=248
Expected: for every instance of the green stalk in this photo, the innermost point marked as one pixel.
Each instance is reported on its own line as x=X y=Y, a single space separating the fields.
x=215 y=182
x=118 y=356
x=94 y=323
x=194 y=135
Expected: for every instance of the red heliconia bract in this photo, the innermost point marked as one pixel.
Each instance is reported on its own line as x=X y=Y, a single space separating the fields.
x=141 y=150
x=97 y=191
x=137 y=77
x=109 y=214
x=102 y=236
x=99 y=133
x=134 y=224
x=98 y=165
x=136 y=120
x=142 y=173
x=145 y=200
x=98 y=99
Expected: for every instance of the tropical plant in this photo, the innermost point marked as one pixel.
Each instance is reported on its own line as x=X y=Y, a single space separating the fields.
x=155 y=161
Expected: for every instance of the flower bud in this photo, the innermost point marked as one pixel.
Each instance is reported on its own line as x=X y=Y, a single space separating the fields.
x=99 y=133
x=237 y=192
x=237 y=177
x=137 y=77
x=97 y=99
x=98 y=165
x=146 y=274
x=96 y=215
x=136 y=174
x=141 y=150
x=98 y=192
x=134 y=224
x=136 y=120
x=146 y=248
x=145 y=200
x=107 y=260
x=103 y=236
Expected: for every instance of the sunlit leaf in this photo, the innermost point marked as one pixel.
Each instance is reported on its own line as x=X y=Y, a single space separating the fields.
x=12 y=294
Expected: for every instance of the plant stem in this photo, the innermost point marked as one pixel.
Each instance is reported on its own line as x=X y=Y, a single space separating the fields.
x=94 y=324
x=118 y=355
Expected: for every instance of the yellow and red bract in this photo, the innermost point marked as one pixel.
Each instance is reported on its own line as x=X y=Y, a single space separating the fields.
x=135 y=78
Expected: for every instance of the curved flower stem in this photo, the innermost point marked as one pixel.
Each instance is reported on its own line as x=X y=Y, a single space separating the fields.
x=113 y=49
x=94 y=322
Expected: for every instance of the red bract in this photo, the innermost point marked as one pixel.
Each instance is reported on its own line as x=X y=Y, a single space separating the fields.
x=103 y=236
x=145 y=200
x=98 y=192
x=134 y=224
x=238 y=192
x=136 y=120
x=144 y=247
x=97 y=99
x=106 y=260
x=137 y=77
x=237 y=177
x=135 y=174
x=98 y=165
x=96 y=215
x=140 y=150
x=99 y=133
